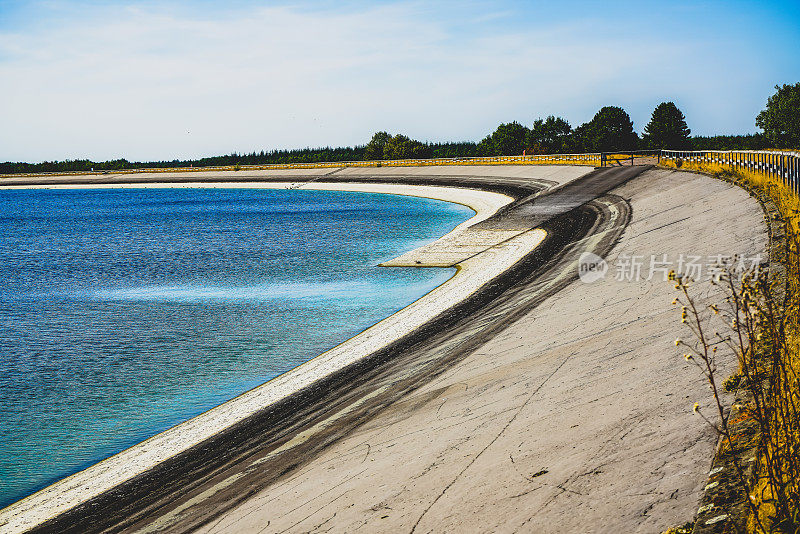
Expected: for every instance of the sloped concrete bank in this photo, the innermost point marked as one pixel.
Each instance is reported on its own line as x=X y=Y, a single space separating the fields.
x=249 y=444
x=572 y=414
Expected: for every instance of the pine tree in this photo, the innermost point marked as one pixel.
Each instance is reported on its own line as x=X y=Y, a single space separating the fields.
x=667 y=129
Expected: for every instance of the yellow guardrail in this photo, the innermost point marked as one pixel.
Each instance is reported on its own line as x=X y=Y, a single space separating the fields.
x=592 y=159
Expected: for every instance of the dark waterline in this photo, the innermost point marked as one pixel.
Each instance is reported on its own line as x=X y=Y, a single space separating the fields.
x=124 y=312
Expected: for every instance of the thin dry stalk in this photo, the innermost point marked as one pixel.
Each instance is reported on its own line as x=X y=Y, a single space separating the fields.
x=762 y=332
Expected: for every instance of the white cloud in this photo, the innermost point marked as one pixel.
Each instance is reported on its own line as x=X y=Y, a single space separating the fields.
x=148 y=82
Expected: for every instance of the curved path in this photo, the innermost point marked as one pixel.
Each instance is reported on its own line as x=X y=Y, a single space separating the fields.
x=540 y=404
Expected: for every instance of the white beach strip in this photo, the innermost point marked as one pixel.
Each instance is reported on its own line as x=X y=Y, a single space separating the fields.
x=473 y=274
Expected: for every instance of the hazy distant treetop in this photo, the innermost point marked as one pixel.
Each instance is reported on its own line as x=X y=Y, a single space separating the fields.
x=383 y=145
x=667 y=129
x=509 y=139
x=756 y=141
x=485 y=147
x=401 y=147
x=549 y=136
x=376 y=146
x=781 y=118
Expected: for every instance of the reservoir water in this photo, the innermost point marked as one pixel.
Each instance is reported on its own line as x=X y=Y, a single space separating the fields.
x=126 y=311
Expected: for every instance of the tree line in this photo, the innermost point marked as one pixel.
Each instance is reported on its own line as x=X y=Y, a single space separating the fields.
x=610 y=130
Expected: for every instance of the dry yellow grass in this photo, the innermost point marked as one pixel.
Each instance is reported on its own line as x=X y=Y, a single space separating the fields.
x=771 y=185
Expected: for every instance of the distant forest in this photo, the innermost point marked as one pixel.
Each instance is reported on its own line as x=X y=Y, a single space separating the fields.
x=463 y=149
x=610 y=130
x=300 y=155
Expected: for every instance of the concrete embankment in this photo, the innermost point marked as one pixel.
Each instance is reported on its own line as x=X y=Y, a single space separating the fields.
x=576 y=417
x=477 y=271
x=538 y=404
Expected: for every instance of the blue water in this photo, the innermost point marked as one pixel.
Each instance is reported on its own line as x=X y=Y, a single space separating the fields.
x=124 y=312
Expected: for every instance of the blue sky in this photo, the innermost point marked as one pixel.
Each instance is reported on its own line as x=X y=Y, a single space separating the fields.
x=178 y=79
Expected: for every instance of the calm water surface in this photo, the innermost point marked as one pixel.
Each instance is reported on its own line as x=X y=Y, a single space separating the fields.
x=124 y=312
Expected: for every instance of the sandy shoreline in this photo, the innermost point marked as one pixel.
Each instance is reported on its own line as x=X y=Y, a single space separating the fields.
x=473 y=273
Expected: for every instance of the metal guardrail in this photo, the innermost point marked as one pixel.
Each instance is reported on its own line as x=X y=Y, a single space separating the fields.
x=784 y=166
x=779 y=165
x=628 y=156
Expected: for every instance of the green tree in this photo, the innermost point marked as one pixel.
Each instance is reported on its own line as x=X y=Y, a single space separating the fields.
x=375 y=147
x=781 y=118
x=486 y=147
x=579 y=140
x=730 y=142
x=549 y=136
x=611 y=130
x=401 y=147
x=509 y=139
x=667 y=129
